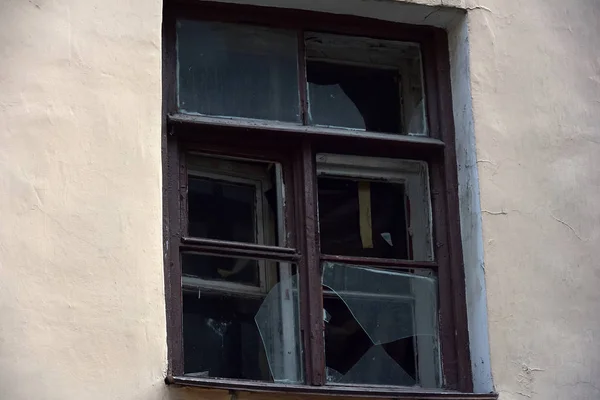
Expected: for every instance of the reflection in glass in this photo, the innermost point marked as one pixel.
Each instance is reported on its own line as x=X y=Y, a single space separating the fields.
x=380 y=326
x=237 y=71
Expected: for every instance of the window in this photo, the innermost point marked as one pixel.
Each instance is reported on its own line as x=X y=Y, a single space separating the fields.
x=312 y=236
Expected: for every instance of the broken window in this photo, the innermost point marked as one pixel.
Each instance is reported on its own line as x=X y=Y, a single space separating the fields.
x=363 y=83
x=240 y=315
x=240 y=332
x=310 y=241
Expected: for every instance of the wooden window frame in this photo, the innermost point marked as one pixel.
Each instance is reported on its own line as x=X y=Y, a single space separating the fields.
x=281 y=142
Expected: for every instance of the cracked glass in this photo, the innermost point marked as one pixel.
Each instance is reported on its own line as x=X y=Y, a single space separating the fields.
x=380 y=326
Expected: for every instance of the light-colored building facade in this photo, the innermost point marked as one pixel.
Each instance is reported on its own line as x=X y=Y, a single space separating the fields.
x=82 y=299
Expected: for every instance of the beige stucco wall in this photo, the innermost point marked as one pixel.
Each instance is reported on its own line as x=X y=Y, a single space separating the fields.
x=535 y=68
x=81 y=278
x=81 y=282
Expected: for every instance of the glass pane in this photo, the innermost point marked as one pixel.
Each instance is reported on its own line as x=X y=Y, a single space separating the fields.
x=380 y=326
x=364 y=83
x=221 y=210
x=235 y=200
x=237 y=71
x=241 y=332
x=374 y=207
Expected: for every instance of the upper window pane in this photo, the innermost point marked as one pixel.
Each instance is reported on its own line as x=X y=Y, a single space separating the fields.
x=367 y=84
x=237 y=71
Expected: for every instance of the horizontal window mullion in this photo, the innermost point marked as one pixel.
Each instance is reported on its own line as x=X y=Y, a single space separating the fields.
x=236 y=249
x=304 y=130
x=387 y=263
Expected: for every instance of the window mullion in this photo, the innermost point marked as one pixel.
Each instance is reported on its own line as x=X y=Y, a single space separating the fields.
x=310 y=271
x=173 y=265
x=302 y=84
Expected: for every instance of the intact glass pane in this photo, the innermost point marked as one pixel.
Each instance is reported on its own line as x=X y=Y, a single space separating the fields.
x=366 y=84
x=237 y=71
x=233 y=330
x=380 y=326
x=222 y=210
x=235 y=200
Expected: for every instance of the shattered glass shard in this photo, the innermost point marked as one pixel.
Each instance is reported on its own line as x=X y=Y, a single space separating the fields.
x=278 y=325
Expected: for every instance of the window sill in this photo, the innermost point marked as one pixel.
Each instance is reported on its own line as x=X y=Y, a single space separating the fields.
x=333 y=390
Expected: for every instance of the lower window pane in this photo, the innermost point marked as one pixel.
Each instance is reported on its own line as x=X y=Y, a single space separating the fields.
x=380 y=326
x=241 y=331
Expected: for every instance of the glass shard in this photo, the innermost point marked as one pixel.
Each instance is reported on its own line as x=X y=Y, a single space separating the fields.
x=237 y=71
x=279 y=327
x=379 y=317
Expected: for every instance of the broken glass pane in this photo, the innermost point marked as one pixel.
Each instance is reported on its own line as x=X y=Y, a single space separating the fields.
x=354 y=97
x=234 y=200
x=365 y=83
x=237 y=71
x=375 y=366
x=281 y=340
x=242 y=332
x=378 y=317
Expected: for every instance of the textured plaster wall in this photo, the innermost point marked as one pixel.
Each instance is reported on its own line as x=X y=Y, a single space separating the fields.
x=535 y=79
x=81 y=283
x=81 y=272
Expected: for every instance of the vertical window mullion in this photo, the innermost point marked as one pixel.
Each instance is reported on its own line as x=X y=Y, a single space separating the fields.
x=302 y=84
x=309 y=268
x=173 y=267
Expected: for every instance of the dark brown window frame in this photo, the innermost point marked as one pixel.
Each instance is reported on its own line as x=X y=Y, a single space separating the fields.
x=182 y=133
